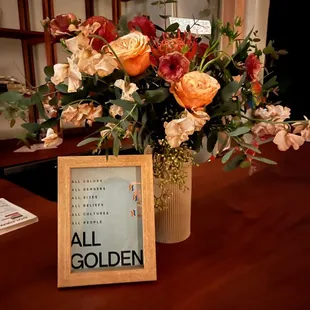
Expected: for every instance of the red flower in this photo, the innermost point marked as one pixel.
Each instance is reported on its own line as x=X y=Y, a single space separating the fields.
x=144 y=24
x=183 y=43
x=172 y=67
x=107 y=31
x=59 y=26
x=253 y=67
x=202 y=49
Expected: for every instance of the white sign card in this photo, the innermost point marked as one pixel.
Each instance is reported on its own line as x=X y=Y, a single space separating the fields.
x=200 y=27
x=106 y=231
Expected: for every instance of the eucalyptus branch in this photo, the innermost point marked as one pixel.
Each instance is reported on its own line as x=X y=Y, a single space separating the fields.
x=79 y=101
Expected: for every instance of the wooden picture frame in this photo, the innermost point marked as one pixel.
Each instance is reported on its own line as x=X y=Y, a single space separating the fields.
x=68 y=168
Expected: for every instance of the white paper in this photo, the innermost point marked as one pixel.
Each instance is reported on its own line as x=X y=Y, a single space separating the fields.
x=202 y=27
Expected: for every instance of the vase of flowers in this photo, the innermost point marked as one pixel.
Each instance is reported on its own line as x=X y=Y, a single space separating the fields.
x=169 y=91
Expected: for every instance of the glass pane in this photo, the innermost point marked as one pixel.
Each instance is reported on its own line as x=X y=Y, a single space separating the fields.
x=106 y=218
x=103 y=8
x=9 y=17
x=76 y=7
x=35 y=12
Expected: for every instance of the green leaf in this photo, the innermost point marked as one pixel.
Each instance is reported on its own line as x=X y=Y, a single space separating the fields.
x=125 y=104
x=135 y=140
x=144 y=119
x=157 y=95
x=26 y=102
x=135 y=114
x=159 y=28
x=31 y=127
x=12 y=123
x=229 y=90
x=87 y=141
x=243 y=44
x=106 y=119
x=234 y=163
x=251 y=147
x=245 y=164
x=116 y=144
x=43 y=90
x=50 y=123
x=264 y=160
x=123 y=25
x=49 y=71
x=10 y=96
x=270 y=83
x=171 y=1
x=37 y=100
x=227 y=156
x=282 y=52
x=269 y=49
x=173 y=27
x=96 y=78
x=137 y=98
x=212 y=139
x=239 y=131
x=54 y=101
x=63 y=88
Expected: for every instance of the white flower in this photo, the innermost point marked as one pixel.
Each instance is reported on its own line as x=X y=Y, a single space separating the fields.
x=199 y=117
x=77 y=44
x=127 y=89
x=178 y=130
x=116 y=110
x=303 y=128
x=262 y=129
x=51 y=138
x=68 y=71
x=284 y=140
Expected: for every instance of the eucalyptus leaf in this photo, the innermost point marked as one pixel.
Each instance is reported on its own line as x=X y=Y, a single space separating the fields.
x=125 y=104
x=245 y=164
x=137 y=98
x=171 y=1
x=50 y=123
x=239 y=131
x=264 y=160
x=270 y=83
x=26 y=102
x=10 y=96
x=54 y=101
x=234 y=163
x=157 y=95
x=251 y=147
x=229 y=90
x=243 y=45
x=116 y=144
x=212 y=139
x=159 y=28
x=135 y=140
x=144 y=119
x=12 y=123
x=135 y=114
x=43 y=90
x=31 y=127
x=227 y=156
x=88 y=140
x=63 y=88
x=173 y=27
x=106 y=119
x=37 y=100
x=49 y=71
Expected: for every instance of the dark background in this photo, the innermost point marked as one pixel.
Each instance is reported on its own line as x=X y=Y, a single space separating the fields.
x=290 y=31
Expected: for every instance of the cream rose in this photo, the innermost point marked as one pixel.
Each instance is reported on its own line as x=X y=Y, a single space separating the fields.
x=195 y=89
x=133 y=50
x=51 y=139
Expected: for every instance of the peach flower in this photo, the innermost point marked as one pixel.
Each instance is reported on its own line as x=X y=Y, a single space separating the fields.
x=93 y=114
x=133 y=51
x=195 y=89
x=199 y=118
x=51 y=138
x=303 y=128
x=127 y=89
x=265 y=129
x=284 y=140
x=116 y=110
x=179 y=130
x=277 y=113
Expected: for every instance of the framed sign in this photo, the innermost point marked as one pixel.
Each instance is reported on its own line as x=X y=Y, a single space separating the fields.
x=106 y=231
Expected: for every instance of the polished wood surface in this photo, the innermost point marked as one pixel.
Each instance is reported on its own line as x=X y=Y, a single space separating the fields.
x=249 y=248
x=9 y=158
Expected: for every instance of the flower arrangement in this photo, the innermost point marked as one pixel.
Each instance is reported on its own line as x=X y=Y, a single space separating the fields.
x=165 y=89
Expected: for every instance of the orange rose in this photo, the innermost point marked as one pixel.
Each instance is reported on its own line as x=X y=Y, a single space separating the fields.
x=133 y=50
x=195 y=89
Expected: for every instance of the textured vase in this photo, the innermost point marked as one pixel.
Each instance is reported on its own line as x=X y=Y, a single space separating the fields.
x=173 y=224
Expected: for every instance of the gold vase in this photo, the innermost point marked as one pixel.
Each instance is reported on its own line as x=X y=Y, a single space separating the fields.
x=173 y=224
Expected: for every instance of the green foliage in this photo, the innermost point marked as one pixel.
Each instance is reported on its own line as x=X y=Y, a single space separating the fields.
x=88 y=140
x=234 y=162
x=239 y=131
x=157 y=95
x=32 y=127
x=173 y=27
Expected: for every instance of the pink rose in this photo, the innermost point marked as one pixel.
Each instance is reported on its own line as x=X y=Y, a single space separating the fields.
x=144 y=24
x=173 y=67
x=253 y=67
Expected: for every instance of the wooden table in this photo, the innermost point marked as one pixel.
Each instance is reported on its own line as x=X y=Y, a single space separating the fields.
x=249 y=249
